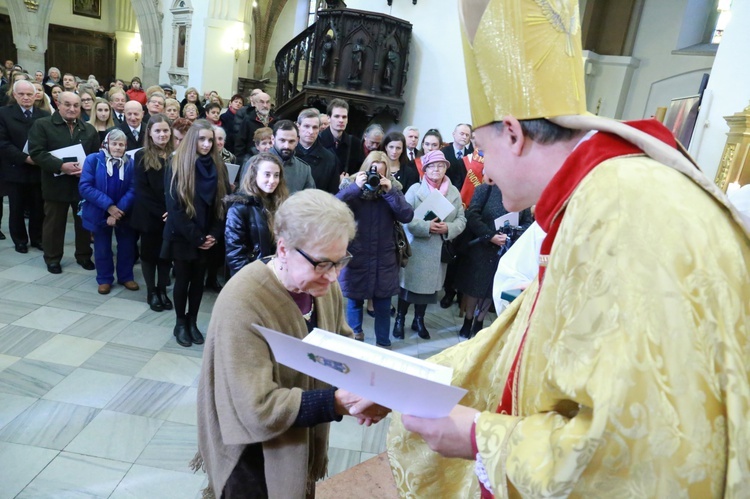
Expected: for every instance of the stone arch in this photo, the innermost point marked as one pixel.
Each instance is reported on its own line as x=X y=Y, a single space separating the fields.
x=149 y=16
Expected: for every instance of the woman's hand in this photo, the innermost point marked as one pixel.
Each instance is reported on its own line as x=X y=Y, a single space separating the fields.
x=366 y=411
x=208 y=243
x=437 y=227
x=111 y=221
x=164 y=217
x=115 y=212
x=499 y=239
x=386 y=184
x=361 y=179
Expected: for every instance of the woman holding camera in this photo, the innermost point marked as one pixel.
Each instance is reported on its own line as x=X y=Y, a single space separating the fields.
x=424 y=275
x=377 y=201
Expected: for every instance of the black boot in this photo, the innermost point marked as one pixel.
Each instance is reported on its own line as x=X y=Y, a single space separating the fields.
x=182 y=333
x=154 y=300
x=421 y=329
x=195 y=335
x=476 y=327
x=447 y=300
x=165 y=302
x=398 y=323
x=466 y=329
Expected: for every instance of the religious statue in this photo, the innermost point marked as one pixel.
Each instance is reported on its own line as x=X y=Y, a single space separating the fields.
x=391 y=66
x=325 y=59
x=358 y=50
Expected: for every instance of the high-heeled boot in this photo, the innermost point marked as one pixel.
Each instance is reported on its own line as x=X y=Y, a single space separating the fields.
x=398 y=323
x=419 y=311
x=476 y=327
x=466 y=328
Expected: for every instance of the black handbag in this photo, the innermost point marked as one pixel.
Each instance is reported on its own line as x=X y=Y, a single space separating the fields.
x=449 y=252
x=403 y=249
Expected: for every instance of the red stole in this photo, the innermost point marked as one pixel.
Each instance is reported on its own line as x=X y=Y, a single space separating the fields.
x=474 y=176
x=418 y=164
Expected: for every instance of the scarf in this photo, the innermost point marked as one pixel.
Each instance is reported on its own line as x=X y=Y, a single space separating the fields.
x=205 y=178
x=111 y=161
x=443 y=188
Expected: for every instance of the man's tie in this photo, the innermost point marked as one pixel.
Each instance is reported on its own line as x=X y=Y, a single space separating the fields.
x=27 y=113
x=336 y=144
x=411 y=155
x=120 y=117
x=459 y=155
x=135 y=134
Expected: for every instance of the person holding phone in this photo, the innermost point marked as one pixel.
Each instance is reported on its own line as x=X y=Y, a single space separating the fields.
x=423 y=277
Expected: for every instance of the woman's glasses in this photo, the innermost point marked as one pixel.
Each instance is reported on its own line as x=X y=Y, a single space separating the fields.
x=325 y=266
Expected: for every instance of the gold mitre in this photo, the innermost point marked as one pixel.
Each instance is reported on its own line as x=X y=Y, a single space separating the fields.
x=523 y=58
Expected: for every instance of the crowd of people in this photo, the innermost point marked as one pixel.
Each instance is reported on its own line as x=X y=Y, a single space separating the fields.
x=154 y=173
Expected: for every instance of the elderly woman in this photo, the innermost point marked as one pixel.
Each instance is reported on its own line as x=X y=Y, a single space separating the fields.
x=423 y=276
x=263 y=427
x=376 y=199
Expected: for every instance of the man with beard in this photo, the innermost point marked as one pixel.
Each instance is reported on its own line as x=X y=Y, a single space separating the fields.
x=323 y=163
x=254 y=119
x=297 y=173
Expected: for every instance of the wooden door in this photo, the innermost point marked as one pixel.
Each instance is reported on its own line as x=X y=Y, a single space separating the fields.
x=7 y=47
x=81 y=52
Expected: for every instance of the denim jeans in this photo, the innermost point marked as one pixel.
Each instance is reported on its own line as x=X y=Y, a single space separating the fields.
x=382 y=308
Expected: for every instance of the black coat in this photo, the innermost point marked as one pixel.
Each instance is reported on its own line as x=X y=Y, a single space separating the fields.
x=457 y=171
x=247 y=235
x=324 y=166
x=51 y=133
x=243 y=140
x=227 y=123
x=476 y=269
x=132 y=143
x=343 y=152
x=150 y=204
x=14 y=132
x=184 y=234
x=407 y=176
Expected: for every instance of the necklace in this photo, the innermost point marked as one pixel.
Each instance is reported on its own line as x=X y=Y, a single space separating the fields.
x=308 y=315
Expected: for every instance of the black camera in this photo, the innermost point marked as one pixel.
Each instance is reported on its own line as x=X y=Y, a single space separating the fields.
x=373 y=179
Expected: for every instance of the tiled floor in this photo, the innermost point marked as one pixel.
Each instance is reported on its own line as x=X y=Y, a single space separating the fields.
x=97 y=399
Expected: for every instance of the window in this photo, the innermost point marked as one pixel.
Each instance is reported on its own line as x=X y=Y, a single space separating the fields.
x=724 y=14
x=313 y=11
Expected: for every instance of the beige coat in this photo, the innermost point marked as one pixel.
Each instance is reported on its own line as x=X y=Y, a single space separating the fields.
x=245 y=397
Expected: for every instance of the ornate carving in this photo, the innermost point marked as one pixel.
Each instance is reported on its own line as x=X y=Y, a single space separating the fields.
x=177 y=78
x=31 y=5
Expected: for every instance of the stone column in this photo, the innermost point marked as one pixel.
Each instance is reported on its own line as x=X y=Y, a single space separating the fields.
x=149 y=17
x=30 y=21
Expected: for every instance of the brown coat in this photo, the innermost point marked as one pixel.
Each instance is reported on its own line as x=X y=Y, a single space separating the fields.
x=245 y=397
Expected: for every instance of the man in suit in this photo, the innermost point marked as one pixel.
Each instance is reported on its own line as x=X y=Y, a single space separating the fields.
x=455 y=152
x=134 y=128
x=60 y=178
x=335 y=139
x=22 y=177
x=371 y=140
x=411 y=133
x=117 y=99
x=323 y=163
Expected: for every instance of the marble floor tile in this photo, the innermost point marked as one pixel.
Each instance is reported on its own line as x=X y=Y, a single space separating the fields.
x=79 y=301
x=195 y=351
x=75 y=476
x=33 y=293
x=20 y=464
x=144 y=481
x=341 y=460
x=21 y=341
x=12 y=310
x=49 y=319
x=185 y=410
x=66 y=280
x=119 y=359
x=346 y=434
x=145 y=397
x=32 y=378
x=7 y=287
x=172 y=448
x=24 y=273
x=374 y=437
x=10 y=257
x=120 y=308
x=13 y=405
x=88 y=388
x=171 y=368
x=165 y=318
x=67 y=350
x=48 y=424
x=7 y=361
x=364 y=456
x=114 y=435
x=138 y=334
x=96 y=327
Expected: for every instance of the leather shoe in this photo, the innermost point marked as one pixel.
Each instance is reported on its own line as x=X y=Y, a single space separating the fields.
x=131 y=285
x=447 y=300
x=213 y=286
x=359 y=336
x=165 y=301
x=195 y=335
x=22 y=248
x=104 y=289
x=54 y=268
x=37 y=245
x=154 y=300
x=181 y=332
x=86 y=263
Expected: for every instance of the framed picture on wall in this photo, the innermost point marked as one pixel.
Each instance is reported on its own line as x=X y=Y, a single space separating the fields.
x=681 y=117
x=88 y=8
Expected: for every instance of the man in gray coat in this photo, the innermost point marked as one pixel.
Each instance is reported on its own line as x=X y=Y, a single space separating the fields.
x=60 y=178
x=297 y=173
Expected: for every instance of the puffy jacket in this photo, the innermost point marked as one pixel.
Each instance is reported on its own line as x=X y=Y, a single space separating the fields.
x=93 y=190
x=373 y=272
x=246 y=234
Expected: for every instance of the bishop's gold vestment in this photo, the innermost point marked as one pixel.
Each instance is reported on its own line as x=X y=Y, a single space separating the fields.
x=633 y=379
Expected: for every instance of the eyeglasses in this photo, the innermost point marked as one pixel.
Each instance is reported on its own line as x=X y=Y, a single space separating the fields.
x=437 y=166
x=325 y=266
